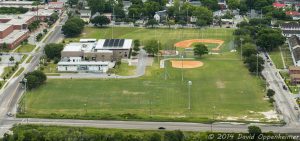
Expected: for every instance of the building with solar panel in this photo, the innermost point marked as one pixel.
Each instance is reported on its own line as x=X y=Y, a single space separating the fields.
x=90 y=55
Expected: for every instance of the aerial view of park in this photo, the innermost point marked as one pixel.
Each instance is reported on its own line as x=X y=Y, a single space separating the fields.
x=217 y=85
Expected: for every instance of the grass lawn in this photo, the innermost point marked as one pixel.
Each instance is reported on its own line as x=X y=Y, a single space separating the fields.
x=223 y=82
x=124 y=70
x=277 y=59
x=25 y=48
x=29 y=59
x=50 y=68
x=23 y=58
x=167 y=37
x=233 y=95
x=6 y=71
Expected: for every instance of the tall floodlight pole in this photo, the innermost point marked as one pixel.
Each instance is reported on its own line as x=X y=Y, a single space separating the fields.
x=25 y=82
x=242 y=48
x=257 y=64
x=189 y=91
x=213 y=119
x=181 y=68
x=113 y=23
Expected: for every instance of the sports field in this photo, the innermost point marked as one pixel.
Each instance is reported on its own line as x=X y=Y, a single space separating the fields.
x=223 y=82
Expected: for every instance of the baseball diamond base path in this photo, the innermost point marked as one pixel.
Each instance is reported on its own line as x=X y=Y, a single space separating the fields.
x=187 y=64
x=188 y=43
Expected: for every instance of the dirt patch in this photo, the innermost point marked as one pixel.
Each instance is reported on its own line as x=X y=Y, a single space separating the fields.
x=220 y=84
x=187 y=64
x=125 y=92
x=188 y=43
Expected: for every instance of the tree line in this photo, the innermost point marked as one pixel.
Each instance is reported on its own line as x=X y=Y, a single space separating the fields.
x=256 y=35
x=59 y=133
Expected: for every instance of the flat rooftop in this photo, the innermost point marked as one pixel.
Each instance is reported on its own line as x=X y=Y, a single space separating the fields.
x=84 y=63
x=4 y=26
x=17 y=19
x=75 y=47
x=12 y=37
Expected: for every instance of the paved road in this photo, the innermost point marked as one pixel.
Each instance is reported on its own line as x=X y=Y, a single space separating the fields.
x=11 y=94
x=283 y=98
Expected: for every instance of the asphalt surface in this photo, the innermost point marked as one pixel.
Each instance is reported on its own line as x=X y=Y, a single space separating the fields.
x=12 y=93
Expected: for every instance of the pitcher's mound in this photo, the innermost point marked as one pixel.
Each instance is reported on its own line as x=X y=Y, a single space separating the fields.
x=187 y=64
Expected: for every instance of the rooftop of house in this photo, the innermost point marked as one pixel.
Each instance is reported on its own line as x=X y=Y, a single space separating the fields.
x=292 y=13
x=76 y=47
x=291 y=32
x=293 y=68
x=278 y=5
x=290 y=25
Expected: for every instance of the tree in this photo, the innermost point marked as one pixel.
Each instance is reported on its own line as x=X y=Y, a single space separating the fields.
x=155 y=137
x=4 y=46
x=200 y=49
x=53 y=50
x=200 y=23
x=136 y=46
x=233 y=4
x=152 y=47
x=73 y=26
x=150 y=7
x=176 y=135
x=151 y=23
x=249 y=49
x=170 y=23
x=11 y=59
x=72 y=2
x=269 y=39
x=255 y=63
x=211 y=4
x=35 y=79
x=254 y=130
x=100 y=20
x=270 y=93
x=204 y=14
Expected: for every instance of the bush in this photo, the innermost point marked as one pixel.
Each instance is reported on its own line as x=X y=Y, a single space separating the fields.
x=56 y=60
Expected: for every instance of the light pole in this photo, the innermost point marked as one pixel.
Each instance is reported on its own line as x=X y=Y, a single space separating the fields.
x=213 y=116
x=242 y=48
x=25 y=82
x=257 y=65
x=181 y=68
x=189 y=90
x=85 y=109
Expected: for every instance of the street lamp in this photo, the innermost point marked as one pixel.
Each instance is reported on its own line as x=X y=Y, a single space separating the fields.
x=189 y=91
x=213 y=116
x=242 y=39
x=85 y=108
x=181 y=68
x=25 y=82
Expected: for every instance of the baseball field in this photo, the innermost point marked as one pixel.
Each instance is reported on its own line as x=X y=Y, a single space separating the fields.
x=221 y=88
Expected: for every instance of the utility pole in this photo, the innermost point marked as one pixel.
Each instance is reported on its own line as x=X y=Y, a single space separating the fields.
x=241 y=48
x=257 y=64
x=182 y=68
x=189 y=91
x=25 y=82
x=213 y=119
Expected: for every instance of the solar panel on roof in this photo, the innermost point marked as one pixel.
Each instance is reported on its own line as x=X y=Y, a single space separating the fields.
x=121 y=43
x=111 y=42
x=116 y=43
x=106 y=43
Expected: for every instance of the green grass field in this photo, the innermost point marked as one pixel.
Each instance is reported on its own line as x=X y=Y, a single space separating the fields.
x=167 y=37
x=223 y=82
x=25 y=48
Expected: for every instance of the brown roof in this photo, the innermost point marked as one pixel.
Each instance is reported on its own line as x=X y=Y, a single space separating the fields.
x=294 y=68
x=297 y=76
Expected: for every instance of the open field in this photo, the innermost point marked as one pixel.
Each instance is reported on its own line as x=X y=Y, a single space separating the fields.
x=25 y=48
x=168 y=37
x=222 y=82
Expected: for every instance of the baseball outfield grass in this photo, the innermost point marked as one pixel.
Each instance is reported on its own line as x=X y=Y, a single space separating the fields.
x=222 y=88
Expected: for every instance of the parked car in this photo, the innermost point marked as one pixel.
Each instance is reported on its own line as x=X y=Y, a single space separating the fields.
x=284 y=87
x=296 y=108
x=161 y=128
